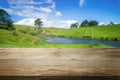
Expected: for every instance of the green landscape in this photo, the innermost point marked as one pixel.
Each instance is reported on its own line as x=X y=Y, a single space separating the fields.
x=109 y=32
x=26 y=36
x=22 y=36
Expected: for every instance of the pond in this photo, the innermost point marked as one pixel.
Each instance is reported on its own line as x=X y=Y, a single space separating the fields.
x=62 y=40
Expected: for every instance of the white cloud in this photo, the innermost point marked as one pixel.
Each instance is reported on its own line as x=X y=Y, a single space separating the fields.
x=27 y=9
x=101 y=23
x=46 y=9
x=82 y=3
x=47 y=23
x=104 y=23
x=23 y=5
x=59 y=23
x=28 y=21
x=69 y=21
x=66 y=23
x=25 y=2
x=58 y=14
x=115 y=23
x=29 y=12
x=50 y=1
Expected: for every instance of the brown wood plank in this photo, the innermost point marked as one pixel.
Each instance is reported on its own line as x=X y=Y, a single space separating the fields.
x=59 y=62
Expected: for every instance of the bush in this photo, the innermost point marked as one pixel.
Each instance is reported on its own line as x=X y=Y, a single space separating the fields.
x=22 y=31
x=115 y=39
x=87 y=37
x=102 y=38
x=33 y=33
x=36 y=41
x=15 y=33
x=106 y=38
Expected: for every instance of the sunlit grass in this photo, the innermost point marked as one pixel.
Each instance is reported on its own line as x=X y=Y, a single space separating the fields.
x=7 y=38
x=26 y=36
x=99 y=32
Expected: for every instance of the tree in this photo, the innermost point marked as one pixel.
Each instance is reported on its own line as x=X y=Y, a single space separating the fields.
x=74 y=25
x=93 y=23
x=5 y=20
x=84 y=23
x=111 y=23
x=38 y=23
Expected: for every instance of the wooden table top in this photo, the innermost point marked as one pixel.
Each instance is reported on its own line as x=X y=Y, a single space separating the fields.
x=59 y=62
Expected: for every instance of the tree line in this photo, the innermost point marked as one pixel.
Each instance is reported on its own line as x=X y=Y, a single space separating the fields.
x=87 y=23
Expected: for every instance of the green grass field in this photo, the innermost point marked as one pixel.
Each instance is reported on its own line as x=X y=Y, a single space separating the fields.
x=11 y=39
x=100 y=32
x=23 y=40
x=27 y=37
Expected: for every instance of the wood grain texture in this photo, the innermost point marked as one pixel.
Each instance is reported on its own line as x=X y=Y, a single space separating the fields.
x=59 y=62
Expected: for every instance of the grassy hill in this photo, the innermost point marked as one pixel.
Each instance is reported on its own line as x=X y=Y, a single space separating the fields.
x=26 y=36
x=16 y=39
x=100 y=32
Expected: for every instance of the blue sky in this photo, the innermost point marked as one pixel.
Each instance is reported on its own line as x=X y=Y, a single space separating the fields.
x=61 y=13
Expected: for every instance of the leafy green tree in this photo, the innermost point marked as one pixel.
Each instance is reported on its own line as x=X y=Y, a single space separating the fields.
x=5 y=20
x=74 y=25
x=111 y=23
x=84 y=23
x=93 y=23
x=38 y=24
